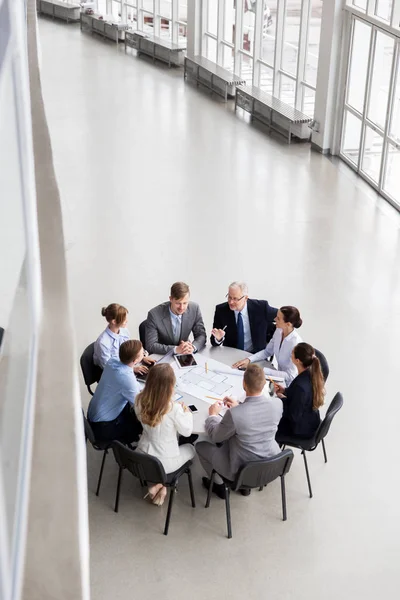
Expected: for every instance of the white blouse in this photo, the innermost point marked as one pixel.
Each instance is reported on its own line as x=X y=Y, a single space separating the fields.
x=283 y=354
x=161 y=441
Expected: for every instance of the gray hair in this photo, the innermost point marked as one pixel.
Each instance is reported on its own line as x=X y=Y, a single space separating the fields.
x=242 y=286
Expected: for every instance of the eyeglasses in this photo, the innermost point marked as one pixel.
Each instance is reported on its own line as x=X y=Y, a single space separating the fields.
x=234 y=299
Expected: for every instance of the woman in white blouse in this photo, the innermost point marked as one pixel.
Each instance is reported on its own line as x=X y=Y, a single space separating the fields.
x=281 y=345
x=163 y=420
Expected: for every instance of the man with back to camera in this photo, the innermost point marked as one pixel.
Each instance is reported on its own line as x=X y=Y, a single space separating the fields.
x=241 y=322
x=169 y=325
x=247 y=431
x=109 y=412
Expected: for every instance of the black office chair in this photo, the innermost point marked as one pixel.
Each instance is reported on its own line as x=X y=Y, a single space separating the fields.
x=255 y=474
x=142 y=333
x=324 y=363
x=100 y=446
x=310 y=444
x=149 y=470
x=1 y=334
x=91 y=372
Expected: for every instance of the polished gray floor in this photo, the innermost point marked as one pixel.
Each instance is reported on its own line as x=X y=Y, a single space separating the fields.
x=159 y=182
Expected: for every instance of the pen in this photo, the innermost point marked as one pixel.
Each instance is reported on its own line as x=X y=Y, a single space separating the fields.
x=223 y=329
x=213 y=398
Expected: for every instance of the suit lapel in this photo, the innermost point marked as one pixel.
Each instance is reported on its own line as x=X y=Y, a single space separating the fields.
x=167 y=324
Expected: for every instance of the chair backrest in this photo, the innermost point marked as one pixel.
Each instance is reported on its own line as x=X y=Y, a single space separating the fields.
x=89 y=434
x=142 y=332
x=324 y=426
x=324 y=363
x=91 y=372
x=143 y=466
x=260 y=472
x=1 y=334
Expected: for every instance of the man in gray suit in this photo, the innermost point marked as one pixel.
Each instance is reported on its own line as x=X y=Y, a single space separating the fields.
x=247 y=430
x=169 y=325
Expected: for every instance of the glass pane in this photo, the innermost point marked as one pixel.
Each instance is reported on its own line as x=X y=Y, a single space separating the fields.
x=131 y=17
x=228 y=27
x=165 y=29
x=391 y=183
x=212 y=16
x=248 y=24
x=102 y=7
x=291 y=33
x=308 y=102
x=314 y=31
x=182 y=10
x=227 y=57
x=351 y=137
x=372 y=157
x=383 y=9
x=182 y=34
x=246 y=69
x=287 y=90
x=166 y=8
x=116 y=10
x=269 y=33
x=381 y=70
x=211 y=49
x=358 y=65
x=148 y=22
x=395 y=120
x=362 y=4
x=266 y=79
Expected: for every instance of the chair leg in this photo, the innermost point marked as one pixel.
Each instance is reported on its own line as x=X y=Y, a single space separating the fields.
x=118 y=489
x=189 y=474
x=228 y=511
x=283 y=493
x=101 y=472
x=210 y=489
x=307 y=473
x=171 y=500
x=260 y=489
x=324 y=449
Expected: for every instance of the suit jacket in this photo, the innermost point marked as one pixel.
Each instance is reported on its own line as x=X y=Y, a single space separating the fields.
x=159 y=333
x=299 y=418
x=261 y=317
x=248 y=431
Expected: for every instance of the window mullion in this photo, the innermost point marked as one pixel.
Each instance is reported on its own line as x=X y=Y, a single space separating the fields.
x=367 y=95
x=280 y=21
x=391 y=97
x=302 y=52
x=258 y=38
x=238 y=34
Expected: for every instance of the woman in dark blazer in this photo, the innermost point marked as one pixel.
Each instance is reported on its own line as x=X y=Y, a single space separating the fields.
x=304 y=396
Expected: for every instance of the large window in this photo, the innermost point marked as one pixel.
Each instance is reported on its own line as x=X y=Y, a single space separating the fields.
x=163 y=18
x=370 y=140
x=272 y=44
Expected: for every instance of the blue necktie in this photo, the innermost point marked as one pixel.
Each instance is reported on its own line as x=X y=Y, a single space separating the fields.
x=240 y=332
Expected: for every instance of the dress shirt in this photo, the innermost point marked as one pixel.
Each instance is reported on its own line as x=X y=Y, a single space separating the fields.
x=282 y=353
x=107 y=345
x=116 y=388
x=248 y=343
x=176 y=322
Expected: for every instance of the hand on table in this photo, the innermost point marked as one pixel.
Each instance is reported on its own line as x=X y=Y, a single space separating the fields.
x=184 y=348
x=215 y=408
x=241 y=363
x=218 y=334
x=148 y=361
x=230 y=403
x=279 y=389
x=140 y=370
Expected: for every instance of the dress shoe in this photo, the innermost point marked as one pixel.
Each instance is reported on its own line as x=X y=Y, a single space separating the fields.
x=187 y=440
x=245 y=491
x=218 y=488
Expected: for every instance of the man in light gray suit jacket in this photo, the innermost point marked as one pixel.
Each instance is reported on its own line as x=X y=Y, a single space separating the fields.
x=247 y=430
x=168 y=325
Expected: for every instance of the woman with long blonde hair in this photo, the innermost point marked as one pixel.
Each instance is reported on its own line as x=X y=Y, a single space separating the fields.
x=163 y=420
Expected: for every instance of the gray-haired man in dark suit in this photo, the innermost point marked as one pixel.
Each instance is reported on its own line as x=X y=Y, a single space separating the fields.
x=247 y=431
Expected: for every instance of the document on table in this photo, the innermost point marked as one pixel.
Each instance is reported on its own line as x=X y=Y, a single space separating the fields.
x=217 y=380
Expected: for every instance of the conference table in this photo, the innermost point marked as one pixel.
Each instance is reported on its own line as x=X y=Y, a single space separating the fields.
x=222 y=354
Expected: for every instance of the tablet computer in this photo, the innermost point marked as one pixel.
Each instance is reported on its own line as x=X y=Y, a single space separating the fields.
x=185 y=360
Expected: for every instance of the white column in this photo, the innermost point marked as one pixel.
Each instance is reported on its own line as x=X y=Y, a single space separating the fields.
x=326 y=96
x=194 y=27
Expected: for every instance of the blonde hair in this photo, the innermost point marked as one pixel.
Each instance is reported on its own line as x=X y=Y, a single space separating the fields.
x=254 y=378
x=154 y=400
